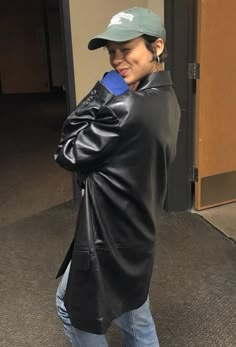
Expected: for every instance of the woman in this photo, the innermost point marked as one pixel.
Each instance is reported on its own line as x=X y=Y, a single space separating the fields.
x=121 y=140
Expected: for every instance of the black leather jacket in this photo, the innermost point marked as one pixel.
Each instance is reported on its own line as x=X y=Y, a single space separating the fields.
x=121 y=147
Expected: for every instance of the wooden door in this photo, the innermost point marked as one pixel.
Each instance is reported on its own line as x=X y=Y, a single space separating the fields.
x=215 y=150
x=23 y=60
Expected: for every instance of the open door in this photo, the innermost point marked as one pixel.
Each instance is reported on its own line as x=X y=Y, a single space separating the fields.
x=215 y=151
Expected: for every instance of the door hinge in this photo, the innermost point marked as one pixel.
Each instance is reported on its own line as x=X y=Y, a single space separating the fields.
x=194 y=174
x=193 y=71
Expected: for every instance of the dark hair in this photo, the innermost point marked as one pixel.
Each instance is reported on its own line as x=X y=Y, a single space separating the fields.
x=148 y=42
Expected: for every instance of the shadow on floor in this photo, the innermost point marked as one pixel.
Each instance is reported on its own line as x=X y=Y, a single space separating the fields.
x=192 y=293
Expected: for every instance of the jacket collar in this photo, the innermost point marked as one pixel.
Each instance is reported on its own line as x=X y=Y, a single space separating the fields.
x=156 y=79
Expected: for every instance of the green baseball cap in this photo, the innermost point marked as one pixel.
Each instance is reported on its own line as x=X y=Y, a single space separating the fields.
x=129 y=24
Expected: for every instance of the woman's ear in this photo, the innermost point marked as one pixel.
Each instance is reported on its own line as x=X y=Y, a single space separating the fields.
x=158 y=46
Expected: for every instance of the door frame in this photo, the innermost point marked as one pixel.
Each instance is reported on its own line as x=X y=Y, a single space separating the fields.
x=69 y=76
x=181 y=25
x=68 y=54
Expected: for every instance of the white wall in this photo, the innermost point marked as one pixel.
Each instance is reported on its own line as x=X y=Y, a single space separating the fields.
x=89 y=18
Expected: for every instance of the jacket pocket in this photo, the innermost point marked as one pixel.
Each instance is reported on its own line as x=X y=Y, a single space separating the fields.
x=81 y=259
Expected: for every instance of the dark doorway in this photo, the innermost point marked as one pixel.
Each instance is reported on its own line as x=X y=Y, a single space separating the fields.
x=33 y=107
x=180 y=22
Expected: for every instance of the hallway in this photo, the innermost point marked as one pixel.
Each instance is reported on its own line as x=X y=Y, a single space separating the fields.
x=30 y=179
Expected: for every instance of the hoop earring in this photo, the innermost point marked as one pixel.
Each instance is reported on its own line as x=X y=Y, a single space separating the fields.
x=156 y=58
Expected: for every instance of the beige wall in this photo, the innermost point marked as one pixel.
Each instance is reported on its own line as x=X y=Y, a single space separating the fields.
x=89 y=18
x=158 y=7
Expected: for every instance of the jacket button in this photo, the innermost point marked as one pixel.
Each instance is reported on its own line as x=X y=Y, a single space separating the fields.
x=90 y=98
x=93 y=92
x=85 y=103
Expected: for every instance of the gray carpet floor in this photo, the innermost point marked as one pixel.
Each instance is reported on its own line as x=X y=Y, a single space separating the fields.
x=193 y=288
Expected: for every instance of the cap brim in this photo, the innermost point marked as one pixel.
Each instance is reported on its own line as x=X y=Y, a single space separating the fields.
x=114 y=35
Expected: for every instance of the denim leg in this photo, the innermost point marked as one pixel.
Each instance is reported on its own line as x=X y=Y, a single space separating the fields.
x=138 y=328
x=61 y=307
x=78 y=338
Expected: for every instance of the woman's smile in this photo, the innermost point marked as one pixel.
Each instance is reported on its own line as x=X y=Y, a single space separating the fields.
x=123 y=72
x=131 y=59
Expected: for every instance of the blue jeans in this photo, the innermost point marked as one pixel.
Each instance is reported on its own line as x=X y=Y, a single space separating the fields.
x=137 y=326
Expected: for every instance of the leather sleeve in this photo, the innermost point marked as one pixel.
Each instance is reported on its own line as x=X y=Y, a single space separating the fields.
x=89 y=134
